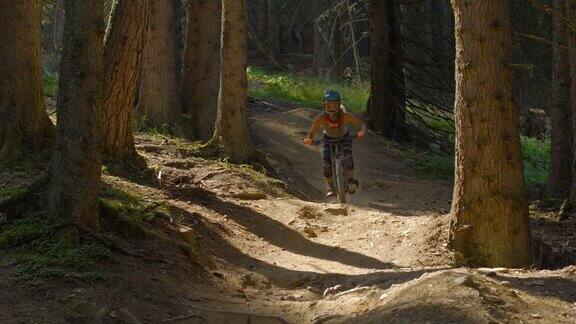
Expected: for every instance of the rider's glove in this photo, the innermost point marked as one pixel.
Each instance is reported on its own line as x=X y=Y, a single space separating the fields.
x=361 y=135
x=308 y=141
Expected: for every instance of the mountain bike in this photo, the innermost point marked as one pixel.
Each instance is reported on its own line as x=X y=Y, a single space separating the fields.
x=338 y=166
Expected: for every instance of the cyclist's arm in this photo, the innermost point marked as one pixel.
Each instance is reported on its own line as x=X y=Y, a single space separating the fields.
x=315 y=127
x=355 y=121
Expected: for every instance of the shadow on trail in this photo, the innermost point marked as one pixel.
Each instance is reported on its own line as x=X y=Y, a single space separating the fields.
x=563 y=288
x=215 y=243
x=431 y=313
x=282 y=236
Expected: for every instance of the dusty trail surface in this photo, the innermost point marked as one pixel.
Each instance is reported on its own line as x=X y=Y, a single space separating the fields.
x=277 y=251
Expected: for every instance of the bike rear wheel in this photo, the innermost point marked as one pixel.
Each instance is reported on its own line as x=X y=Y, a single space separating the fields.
x=340 y=181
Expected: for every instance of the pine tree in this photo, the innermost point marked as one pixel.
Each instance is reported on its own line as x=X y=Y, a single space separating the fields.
x=490 y=225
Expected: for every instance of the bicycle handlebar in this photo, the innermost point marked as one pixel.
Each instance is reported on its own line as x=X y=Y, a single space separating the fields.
x=331 y=140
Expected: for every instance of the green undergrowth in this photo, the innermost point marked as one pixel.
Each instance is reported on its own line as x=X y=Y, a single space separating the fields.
x=47 y=248
x=135 y=209
x=140 y=125
x=19 y=172
x=50 y=85
x=306 y=91
x=256 y=172
x=536 y=154
x=536 y=160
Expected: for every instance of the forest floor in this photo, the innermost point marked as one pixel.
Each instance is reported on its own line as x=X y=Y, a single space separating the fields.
x=243 y=247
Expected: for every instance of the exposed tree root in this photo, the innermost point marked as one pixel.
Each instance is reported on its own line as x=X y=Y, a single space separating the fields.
x=567 y=209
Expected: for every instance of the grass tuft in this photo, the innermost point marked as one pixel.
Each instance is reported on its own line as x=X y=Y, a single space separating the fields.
x=305 y=91
x=536 y=162
x=50 y=85
x=134 y=208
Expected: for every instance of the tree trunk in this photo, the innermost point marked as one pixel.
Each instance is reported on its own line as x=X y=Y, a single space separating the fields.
x=122 y=57
x=159 y=103
x=397 y=73
x=201 y=67
x=231 y=133
x=490 y=225
x=274 y=32
x=338 y=55
x=24 y=123
x=569 y=206
x=75 y=170
x=387 y=99
x=321 y=46
x=58 y=25
x=560 y=177
x=381 y=112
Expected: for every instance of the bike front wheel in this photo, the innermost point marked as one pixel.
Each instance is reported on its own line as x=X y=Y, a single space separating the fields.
x=340 y=181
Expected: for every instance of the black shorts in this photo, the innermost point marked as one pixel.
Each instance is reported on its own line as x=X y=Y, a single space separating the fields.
x=346 y=151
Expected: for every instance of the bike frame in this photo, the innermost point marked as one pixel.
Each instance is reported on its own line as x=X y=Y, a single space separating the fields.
x=338 y=168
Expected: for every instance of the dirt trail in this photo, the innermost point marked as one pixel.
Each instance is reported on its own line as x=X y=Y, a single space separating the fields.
x=298 y=256
x=279 y=251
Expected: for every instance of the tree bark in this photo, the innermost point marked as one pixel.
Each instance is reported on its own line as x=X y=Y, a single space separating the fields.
x=569 y=205
x=159 y=103
x=321 y=47
x=58 y=25
x=398 y=73
x=381 y=111
x=24 y=123
x=122 y=60
x=387 y=100
x=490 y=225
x=274 y=32
x=201 y=78
x=231 y=132
x=75 y=169
x=560 y=177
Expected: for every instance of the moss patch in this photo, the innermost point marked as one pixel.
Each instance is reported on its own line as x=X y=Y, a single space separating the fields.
x=48 y=248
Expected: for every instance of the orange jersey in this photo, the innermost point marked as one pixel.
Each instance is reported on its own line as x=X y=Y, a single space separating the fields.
x=335 y=128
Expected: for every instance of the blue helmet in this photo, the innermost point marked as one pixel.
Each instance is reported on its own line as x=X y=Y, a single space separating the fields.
x=331 y=96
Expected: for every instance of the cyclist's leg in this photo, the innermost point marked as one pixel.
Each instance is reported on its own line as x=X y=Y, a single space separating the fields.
x=349 y=162
x=327 y=169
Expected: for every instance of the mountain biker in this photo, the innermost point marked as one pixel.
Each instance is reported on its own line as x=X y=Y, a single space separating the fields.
x=334 y=120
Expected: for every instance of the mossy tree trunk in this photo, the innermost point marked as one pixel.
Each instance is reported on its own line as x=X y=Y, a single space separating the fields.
x=231 y=132
x=201 y=73
x=75 y=169
x=490 y=225
x=24 y=123
x=159 y=101
x=560 y=178
x=122 y=60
